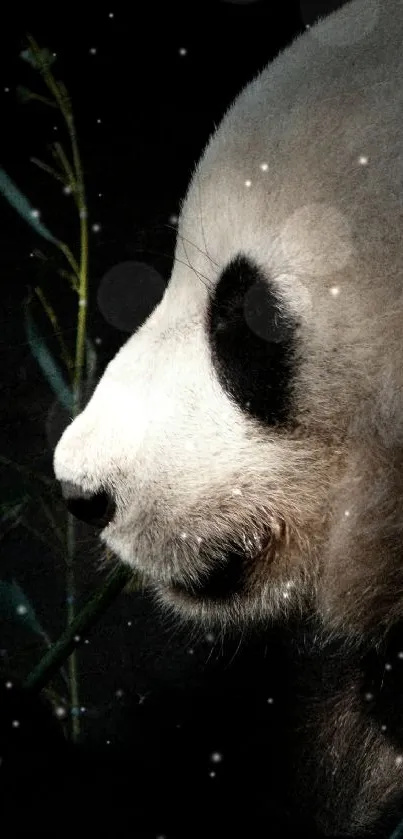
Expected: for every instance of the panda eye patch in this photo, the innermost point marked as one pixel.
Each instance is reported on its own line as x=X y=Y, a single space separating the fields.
x=253 y=342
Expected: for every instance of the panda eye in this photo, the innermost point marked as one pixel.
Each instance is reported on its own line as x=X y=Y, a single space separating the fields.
x=253 y=342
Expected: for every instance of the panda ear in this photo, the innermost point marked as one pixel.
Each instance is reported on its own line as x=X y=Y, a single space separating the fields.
x=253 y=342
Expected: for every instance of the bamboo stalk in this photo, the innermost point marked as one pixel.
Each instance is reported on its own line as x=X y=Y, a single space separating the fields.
x=50 y=663
x=75 y=177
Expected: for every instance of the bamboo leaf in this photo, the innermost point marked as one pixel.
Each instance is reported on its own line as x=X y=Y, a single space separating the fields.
x=47 y=363
x=15 y=605
x=39 y=59
x=25 y=95
x=48 y=169
x=115 y=581
x=29 y=473
x=67 y=275
x=11 y=515
x=17 y=199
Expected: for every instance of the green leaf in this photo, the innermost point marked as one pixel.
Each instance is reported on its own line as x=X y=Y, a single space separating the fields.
x=24 y=95
x=14 y=605
x=11 y=514
x=48 y=169
x=39 y=59
x=28 y=56
x=47 y=363
x=17 y=199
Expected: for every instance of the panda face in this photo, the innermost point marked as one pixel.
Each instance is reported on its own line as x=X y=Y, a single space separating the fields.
x=250 y=432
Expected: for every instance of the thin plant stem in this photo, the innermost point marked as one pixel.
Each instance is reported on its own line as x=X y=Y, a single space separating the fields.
x=53 y=319
x=81 y=271
x=50 y=663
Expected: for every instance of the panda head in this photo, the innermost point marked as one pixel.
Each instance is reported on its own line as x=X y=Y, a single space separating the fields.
x=248 y=437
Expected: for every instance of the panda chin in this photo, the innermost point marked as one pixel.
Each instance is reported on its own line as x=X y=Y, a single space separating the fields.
x=223 y=582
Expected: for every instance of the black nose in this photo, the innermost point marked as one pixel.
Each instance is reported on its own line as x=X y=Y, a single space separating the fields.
x=96 y=509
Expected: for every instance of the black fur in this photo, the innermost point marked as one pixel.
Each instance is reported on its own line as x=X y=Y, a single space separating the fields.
x=253 y=340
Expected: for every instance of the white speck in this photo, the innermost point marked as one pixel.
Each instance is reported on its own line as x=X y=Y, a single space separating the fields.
x=270 y=700
x=248 y=183
x=93 y=51
x=55 y=128
x=210 y=637
x=77 y=638
x=119 y=693
x=98 y=341
x=9 y=685
x=212 y=774
x=129 y=623
x=388 y=666
x=363 y=160
x=35 y=213
x=96 y=228
x=173 y=219
x=99 y=121
x=335 y=291
x=16 y=723
x=264 y=167
x=67 y=190
x=216 y=757
x=190 y=650
x=60 y=712
x=199 y=539
x=82 y=302
x=183 y=51
x=383 y=727
x=369 y=696
x=111 y=15
x=21 y=609
x=83 y=214
x=346 y=513
x=108 y=742
x=82 y=709
x=399 y=760
x=184 y=535
x=54 y=54
x=400 y=655
x=6 y=90
x=86 y=641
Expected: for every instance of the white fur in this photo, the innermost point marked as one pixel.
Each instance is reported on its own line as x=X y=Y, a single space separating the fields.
x=305 y=175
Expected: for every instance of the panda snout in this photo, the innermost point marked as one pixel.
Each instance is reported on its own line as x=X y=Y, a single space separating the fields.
x=96 y=509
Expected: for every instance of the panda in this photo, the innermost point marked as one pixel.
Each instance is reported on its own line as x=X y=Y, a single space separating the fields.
x=243 y=451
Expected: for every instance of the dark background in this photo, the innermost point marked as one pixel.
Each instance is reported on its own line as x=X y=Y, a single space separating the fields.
x=181 y=736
